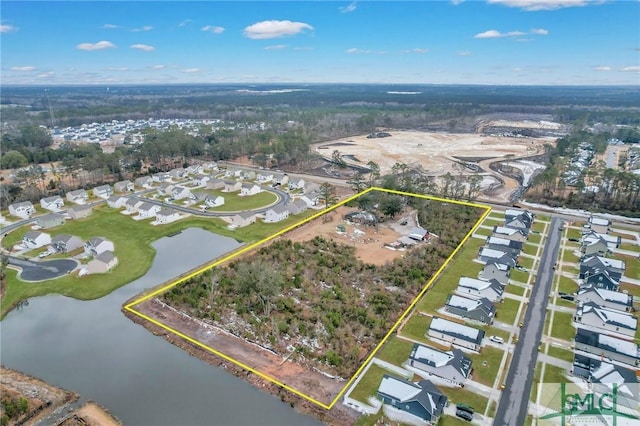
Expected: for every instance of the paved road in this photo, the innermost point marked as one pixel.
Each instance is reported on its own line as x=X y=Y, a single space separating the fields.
x=43 y=270
x=512 y=409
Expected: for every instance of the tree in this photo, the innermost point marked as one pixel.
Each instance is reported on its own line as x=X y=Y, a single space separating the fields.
x=374 y=175
x=327 y=194
x=391 y=205
x=336 y=157
x=13 y=160
x=357 y=183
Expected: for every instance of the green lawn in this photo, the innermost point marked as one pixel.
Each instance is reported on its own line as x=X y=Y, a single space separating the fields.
x=368 y=385
x=486 y=232
x=489 y=221
x=565 y=303
x=520 y=276
x=633 y=266
x=507 y=310
x=463 y=396
x=515 y=289
x=531 y=249
x=563 y=354
x=569 y=256
x=395 y=350
x=416 y=328
x=450 y=421
x=234 y=203
x=567 y=285
x=526 y=262
x=538 y=226
x=574 y=233
x=632 y=289
x=367 y=420
x=563 y=326
x=493 y=331
x=534 y=238
x=553 y=374
x=630 y=247
x=486 y=374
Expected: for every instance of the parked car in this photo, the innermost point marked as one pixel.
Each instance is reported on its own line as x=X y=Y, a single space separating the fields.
x=465 y=407
x=496 y=339
x=464 y=415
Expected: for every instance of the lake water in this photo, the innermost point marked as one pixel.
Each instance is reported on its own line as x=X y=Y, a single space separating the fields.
x=91 y=348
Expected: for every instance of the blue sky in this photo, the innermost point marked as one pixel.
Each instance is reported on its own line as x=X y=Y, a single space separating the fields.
x=515 y=42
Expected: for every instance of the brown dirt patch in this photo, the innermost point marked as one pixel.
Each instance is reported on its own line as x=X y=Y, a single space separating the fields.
x=90 y=414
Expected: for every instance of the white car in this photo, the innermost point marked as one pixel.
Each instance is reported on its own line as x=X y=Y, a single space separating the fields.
x=496 y=339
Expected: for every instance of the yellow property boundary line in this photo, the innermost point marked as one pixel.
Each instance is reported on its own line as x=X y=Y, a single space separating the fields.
x=129 y=307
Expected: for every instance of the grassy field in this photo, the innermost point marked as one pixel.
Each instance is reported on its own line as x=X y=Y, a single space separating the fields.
x=463 y=396
x=234 y=203
x=633 y=265
x=395 y=350
x=507 y=310
x=132 y=241
x=531 y=249
x=574 y=233
x=563 y=354
x=368 y=384
x=485 y=232
x=486 y=374
x=515 y=289
x=526 y=262
x=569 y=256
x=630 y=247
x=563 y=326
x=520 y=276
x=490 y=221
x=538 y=226
x=567 y=285
x=632 y=289
x=553 y=374
x=417 y=327
x=534 y=238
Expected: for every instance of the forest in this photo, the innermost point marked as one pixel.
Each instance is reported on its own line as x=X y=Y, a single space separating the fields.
x=315 y=297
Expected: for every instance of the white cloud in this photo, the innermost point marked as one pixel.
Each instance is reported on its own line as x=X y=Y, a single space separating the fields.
x=143 y=47
x=533 y=5
x=27 y=68
x=47 y=74
x=498 y=34
x=159 y=67
x=463 y=53
x=417 y=50
x=456 y=2
x=354 y=50
x=276 y=47
x=602 y=68
x=631 y=69
x=110 y=26
x=96 y=46
x=184 y=23
x=191 y=70
x=5 y=28
x=212 y=29
x=117 y=69
x=145 y=28
x=540 y=31
x=347 y=9
x=274 y=29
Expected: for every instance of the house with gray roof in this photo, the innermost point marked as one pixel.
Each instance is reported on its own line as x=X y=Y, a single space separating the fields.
x=480 y=310
x=144 y=182
x=177 y=173
x=513 y=234
x=604 y=345
x=596 y=317
x=167 y=215
x=181 y=192
x=494 y=270
x=602 y=279
x=296 y=183
x=297 y=206
x=599 y=225
x=116 y=201
x=79 y=196
x=103 y=191
x=160 y=177
x=53 y=203
x=200 y=180
x=486 y=255
x=243 y=219
x=194 y=169
x=97 y=245
x=476 y=288
x=280 y=178
x=456 y=334
x=165 y=188
x=504 y=244
x=247 y=189
x=232 y=186
x=80 y=211
x=605 y=298
x=593 y=264
x=215 y=184
x=35 y=239
x=519 y=219
x=453 y=366
x=213 y=201
x=148 y=210
x=102 y=263
x=419 y=234
x=65 y=243
x=50 y=220
x=23 y=210
x=276 y=214
x=124 y=186
x=132 y=204
x=595 y=370
x=422 y=400
x=263 y=178
x=593 y=243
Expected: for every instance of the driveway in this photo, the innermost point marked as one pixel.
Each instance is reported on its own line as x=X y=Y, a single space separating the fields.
x=45 y=270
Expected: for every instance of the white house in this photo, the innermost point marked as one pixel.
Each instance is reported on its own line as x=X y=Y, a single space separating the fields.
x=605 y=298
x=455 y=333
x=160 y=177
x=232 y=172
x=144 y=182
x=103 y=191
x=298 y=206
x=165 y=188
x=213 y=201
x=311 y=199
x=263 y=178
x=132 y=205
x=180 y=193
x=200 y=180
x=53 y=203
x=211 y=166
x=22 y=210
x=166 y=215
x=243 y=219
x=311 y=187
x=280 y=178
x=231 y=186
x=276 y=214
x=177 y=173
x=510 y=233
x=194 y=169
x=98 y=245
x=599 y=225
x=123 y=186
x=249 y=189
x=65 y=243
x=147 y=210
x=80 y=212
x=116 y=201
x=591 y=315
x=296 y=184
x=35 y=239
x=102 y=263
x=492 y=289
x=79 y=196
x=453 y=366
x=215 y=184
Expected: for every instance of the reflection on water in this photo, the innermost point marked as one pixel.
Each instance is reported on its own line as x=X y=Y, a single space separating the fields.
x=91 y=348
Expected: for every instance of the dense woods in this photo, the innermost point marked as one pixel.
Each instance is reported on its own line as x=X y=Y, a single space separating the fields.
x=315 y=297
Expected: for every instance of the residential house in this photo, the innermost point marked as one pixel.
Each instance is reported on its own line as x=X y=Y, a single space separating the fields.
x=35 y=239
x=232 y=172
x=213 y=201
x=124 y=186
x=419 y=234
x=79 y=196
x=200 y=180
x=165 y=189
x=103 y=191
x=211 y=166
x=167 y=215
x=297 y=206
x=215 y=184
x=602 y=279
x=160 y=177
x=116 y=201
x=248 y=189
x=181 y=192
x=596 y=371
x=593 y=264
x=455 y=333
x=194 y=169
x=519 y=219
x=513 y=234
x=296 y=184
x=263 y=178
x=504 y=244
x=177 y=173
x=248 y=175
x=276 y=214
x=53 y=203
x=494 y=270
x=480 y=310
x=476 y=288
x=102 y=263
x=280 y=178
x=594 y=243
x=97 y=245
x=599 y=225
x=422 y=400
x=65 y=243
x=486 y=255
x=132 y=205
x=147 y=210
x=591 y=315
x=453 y=366
x=50 y=220
x=23 y=210
x=311 y=198
x=243 y=219
x=311 y=187
x=603 y=345
x=232 y=186
x=605 y=298
x=80 y=212
x=144 y=182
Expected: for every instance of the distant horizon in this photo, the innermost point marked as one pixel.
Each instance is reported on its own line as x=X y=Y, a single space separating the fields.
x=454 y=42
